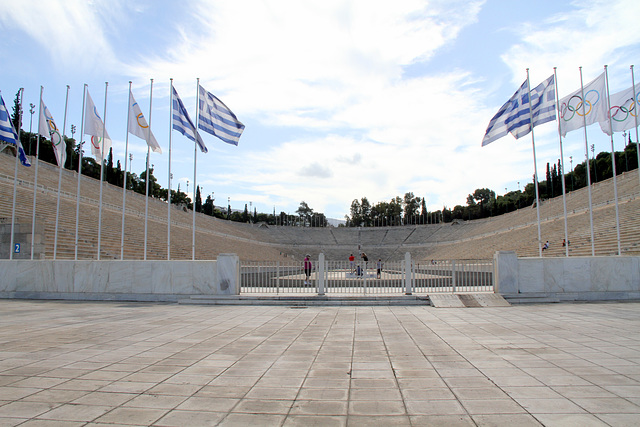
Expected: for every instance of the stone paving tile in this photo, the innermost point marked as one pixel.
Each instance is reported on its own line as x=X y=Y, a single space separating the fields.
x=171 y=365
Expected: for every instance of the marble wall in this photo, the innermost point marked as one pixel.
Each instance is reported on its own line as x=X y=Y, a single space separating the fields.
x=120 y=280
x=572 y=278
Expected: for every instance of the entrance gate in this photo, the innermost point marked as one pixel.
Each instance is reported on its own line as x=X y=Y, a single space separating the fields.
x=371 y=278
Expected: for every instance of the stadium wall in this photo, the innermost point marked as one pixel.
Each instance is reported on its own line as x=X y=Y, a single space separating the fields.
x=166 y=281
x=567 y=279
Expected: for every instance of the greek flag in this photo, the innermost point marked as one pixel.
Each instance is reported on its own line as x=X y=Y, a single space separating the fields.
x=183 y=124
x=515 y=115
x=543 y=108
x=217 y=119
x=8 y=133
x=499 y=125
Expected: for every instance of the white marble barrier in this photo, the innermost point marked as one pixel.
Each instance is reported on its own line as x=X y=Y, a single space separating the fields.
x=122 y=280
x=228 y=279
x=569 y=278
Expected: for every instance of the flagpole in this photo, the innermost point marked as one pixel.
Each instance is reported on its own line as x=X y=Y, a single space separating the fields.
x=169 y=176
x=637 y=107
x=15 y=178
x=104 y=127
x=35 y=178
x=613 y=160
x=60 y=167
x=124 y=185
x=195 y=156
x=586 y=147
x=564 y=192
x=535 y=166
x=146 y=203
x=84 y=94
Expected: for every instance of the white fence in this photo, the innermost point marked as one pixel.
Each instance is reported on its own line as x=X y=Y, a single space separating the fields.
x=370 y=278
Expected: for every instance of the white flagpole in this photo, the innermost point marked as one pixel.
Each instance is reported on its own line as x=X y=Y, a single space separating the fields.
x=586 y=147
x=124 y=185
x=637 y=107
x=146 y=203
x=35 y=178
x=169 y=176
x=613 y=161
x=84 y=94
x=104 y=127
x=535 y=166
x=564 y=192
x=60 y=167
x=15 y=180
x=195 y=156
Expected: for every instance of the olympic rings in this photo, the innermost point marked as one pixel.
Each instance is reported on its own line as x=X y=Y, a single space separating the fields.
x=143 y=126
x=58 y=138
x=620 y=113
x=575 y=105
x=93 y=142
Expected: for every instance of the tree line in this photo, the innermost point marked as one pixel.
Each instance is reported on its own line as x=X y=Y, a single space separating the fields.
x=483 y=203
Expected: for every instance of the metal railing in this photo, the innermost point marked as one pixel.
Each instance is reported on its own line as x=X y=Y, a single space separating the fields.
x=371 y=278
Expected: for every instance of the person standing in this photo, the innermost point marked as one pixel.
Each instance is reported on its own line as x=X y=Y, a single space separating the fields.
x=352 y=261
x=307 y=268
x=379 y=268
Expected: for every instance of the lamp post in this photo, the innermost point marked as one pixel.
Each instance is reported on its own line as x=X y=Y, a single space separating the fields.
x=593 y=155
x=31 y=111
x=626 y=161
x=130 y=167
x=228 y=207
x=571 y=164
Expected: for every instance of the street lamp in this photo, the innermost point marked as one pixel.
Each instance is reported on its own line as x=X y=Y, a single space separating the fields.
x=571 y=164
x=593 y=155
x=31 y=110
x=624 y=136
x=228 y=207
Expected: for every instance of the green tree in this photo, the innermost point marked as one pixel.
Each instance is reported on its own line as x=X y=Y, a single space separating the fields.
x=198 y=200
x=16 y=117
x=411 y=205
x=304 y=212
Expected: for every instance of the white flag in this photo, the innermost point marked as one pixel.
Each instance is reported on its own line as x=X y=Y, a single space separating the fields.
x=575 y=114
x=624 y=110
x=49 y=130
x=94 y=126
x=138 y=125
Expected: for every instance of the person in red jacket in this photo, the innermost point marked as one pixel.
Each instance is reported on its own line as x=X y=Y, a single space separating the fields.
x=352 y=261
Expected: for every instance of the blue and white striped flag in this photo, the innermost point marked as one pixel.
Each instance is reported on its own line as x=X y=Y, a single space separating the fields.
x=514 y=117
x=183 y=124
x=217 y=119
x=543 y=108
x=8 y=133
x=499 y=125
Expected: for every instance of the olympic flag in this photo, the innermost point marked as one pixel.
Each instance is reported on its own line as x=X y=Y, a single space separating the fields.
x=574 y=113
x=217 y=119
x=94 y=127
x=138 y=125
x=49 y=130
x=8 y=133
x=183 y=124
x=624 y=109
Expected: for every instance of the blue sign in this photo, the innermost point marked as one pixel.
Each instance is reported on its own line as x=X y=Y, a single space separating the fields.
x=16 y=250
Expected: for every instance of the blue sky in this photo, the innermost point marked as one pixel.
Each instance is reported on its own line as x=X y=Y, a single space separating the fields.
x=340 y=99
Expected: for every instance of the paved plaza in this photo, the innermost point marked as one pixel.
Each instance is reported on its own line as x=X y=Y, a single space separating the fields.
x=138 y=364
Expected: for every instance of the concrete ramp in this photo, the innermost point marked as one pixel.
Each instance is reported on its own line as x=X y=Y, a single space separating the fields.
x=467 y=300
